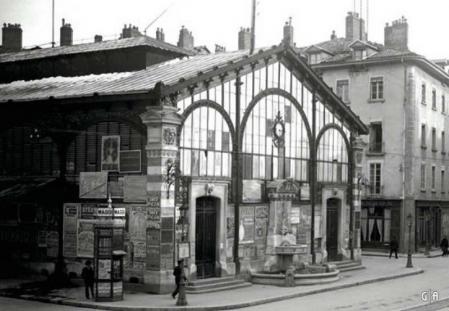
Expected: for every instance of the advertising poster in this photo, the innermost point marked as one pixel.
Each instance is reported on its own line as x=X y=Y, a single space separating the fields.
x=110 y=153
x=85 y=238
x=104 y=289
x=70 y=229
x=104 y=269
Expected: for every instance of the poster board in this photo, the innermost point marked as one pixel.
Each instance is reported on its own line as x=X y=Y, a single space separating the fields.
x=93 y=185
x=130 y=161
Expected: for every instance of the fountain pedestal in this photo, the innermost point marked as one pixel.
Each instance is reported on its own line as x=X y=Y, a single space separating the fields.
x=281 y=243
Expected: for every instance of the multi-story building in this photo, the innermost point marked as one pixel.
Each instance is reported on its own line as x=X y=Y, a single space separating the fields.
x=402 y=96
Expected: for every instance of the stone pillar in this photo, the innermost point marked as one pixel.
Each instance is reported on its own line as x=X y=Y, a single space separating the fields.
x=162 y=124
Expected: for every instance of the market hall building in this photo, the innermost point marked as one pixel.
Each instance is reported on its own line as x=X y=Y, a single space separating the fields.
x=215 y=158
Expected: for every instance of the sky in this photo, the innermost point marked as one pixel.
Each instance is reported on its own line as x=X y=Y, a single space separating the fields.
x=218 y=21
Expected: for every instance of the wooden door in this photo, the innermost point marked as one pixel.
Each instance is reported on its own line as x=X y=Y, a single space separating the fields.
x=332 y=229
x=205 y=244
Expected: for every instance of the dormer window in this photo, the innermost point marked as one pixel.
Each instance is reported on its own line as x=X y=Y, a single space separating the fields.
x=360 y=54
x=361 y=50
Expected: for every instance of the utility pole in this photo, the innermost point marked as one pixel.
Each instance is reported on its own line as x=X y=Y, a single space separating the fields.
x=253 y=28
x=53 y=23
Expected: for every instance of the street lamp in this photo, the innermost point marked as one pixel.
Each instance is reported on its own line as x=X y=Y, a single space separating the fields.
x=409 y=253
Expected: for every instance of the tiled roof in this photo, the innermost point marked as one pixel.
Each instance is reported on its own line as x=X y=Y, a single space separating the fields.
x=143 y=81
x=116 y=83
x=92 y=47
x=391 y=53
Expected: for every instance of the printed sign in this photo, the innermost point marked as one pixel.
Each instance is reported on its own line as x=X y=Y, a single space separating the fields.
x=183 y=250
x=110 y=153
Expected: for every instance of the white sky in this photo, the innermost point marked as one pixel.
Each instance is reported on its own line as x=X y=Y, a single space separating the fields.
x=218 y=21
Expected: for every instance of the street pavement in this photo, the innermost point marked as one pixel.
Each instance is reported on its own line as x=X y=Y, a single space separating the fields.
x=345 y=294
x=11 y=304
x=396 y=294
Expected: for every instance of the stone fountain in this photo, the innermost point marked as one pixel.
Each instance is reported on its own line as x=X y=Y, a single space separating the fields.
x=282 y=265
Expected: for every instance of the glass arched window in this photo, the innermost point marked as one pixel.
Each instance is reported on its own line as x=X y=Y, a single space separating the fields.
x=332 y=158
x=206 y=144
x=261 y=159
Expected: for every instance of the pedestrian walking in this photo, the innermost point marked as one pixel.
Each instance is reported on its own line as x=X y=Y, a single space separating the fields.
x=177 y=272
x=394 y=245
x=444 y=246
x=88 y=277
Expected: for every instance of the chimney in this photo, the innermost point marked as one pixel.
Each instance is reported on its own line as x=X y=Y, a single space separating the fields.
x=98 y=38
x=185 y=39
x=396 y=35
x=130 y=31
x=244 y=38
x=12 y=37
x=355 y=27
x=219 y=49
x=288 y=32
x=66 y=34
x=160 y=34
x=333 y=35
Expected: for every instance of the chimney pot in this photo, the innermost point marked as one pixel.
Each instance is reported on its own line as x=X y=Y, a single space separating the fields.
x=244 y=39
x=288 y=32
x=98 y=38
x=12 y=37
x=186 y=40
x=355 y=27
x=396 y=35
x=66 y=34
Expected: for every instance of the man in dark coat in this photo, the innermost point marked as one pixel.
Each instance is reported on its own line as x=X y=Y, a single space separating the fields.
x=444 y=246
x=394 y=245
x=177 y=272
x=88 y=276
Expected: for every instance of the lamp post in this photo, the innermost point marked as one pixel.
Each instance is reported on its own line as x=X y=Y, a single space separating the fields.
x=409 y=253
x=184 y=223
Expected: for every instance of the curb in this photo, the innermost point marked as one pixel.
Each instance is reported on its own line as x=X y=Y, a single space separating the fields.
x=419 y=255
x=74 y=303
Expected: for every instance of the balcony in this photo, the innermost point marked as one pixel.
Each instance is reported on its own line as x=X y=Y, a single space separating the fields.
x=376 y=149
x=374 y=191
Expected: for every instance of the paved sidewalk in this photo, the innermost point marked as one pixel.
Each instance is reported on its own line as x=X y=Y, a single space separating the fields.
x=377 y=269
x=385 y=253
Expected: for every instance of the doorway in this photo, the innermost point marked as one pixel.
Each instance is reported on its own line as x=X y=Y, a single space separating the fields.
x=332 y=229
x=205 y=233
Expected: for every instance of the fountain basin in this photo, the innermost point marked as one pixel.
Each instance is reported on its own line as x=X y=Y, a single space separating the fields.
x=299 y=279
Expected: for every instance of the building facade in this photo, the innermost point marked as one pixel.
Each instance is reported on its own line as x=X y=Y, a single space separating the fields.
x=402 y=97
x=215 y=158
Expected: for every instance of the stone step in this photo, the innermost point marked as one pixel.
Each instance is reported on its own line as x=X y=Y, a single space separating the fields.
x=225 y=286
x=197 y=287
x=347 y=265
x=200 y=282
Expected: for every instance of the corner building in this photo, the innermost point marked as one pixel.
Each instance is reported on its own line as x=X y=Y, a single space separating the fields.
x=402 y=97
